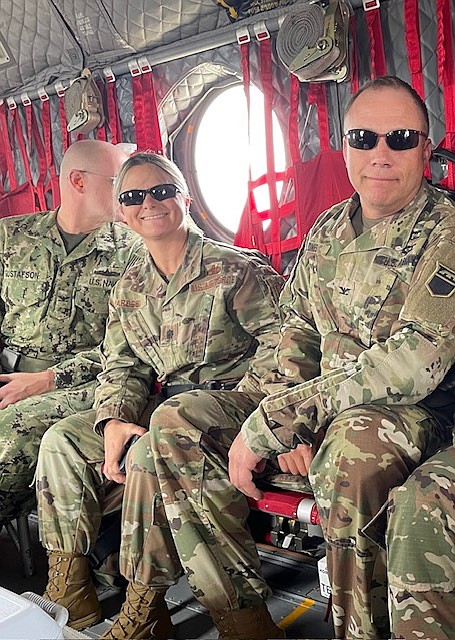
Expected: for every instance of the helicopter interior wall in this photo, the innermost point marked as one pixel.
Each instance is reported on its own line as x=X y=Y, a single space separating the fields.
x=184 y=85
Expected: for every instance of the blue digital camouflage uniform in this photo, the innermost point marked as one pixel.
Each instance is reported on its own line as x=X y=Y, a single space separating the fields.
x=216 y=312
x=421 y=551
x=53 y=307
x=366 y=348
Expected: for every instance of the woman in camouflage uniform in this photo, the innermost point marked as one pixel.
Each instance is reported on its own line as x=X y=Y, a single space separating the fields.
x=191 y=315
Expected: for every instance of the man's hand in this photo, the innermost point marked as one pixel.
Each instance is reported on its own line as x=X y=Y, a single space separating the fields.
x=296 y=461
x=18 y=386
x=116 y=435
x=242 y=463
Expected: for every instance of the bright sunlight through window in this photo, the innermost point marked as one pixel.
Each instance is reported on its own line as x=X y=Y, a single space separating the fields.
x=222 y=153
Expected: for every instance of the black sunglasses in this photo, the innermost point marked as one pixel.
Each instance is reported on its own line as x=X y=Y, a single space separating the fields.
x=398 y=140
x=137 y=196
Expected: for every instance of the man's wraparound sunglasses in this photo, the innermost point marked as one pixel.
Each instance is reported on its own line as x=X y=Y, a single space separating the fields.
x=398 y=140
x=137 y=196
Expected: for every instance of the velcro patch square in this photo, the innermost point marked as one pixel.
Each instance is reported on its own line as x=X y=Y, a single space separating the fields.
x=441 y=283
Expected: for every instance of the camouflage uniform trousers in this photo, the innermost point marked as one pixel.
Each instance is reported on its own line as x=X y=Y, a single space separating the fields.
x=70 y=486
x=366 y=451
x=181 y=513
x=421 y=552
x=22 y=426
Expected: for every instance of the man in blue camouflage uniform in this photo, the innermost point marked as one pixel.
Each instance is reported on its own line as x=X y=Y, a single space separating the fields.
x=421 y=551
x=366 y=350
x=56 y=273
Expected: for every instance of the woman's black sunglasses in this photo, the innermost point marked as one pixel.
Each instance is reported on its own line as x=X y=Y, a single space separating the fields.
x=137 y=196
x=398 y=140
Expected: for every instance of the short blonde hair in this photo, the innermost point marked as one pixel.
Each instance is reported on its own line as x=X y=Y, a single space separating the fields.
x=166 y=165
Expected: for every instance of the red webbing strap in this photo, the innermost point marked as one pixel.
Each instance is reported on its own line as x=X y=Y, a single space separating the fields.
x=34 y=136
x=21 y=142
x=151 y=114
x=293 y=140
x=139 y=119
x=113 y=113
x=250 y=232
x=101 y=132
x=53 y=182
x=47 y=133
x=7 y=147
x=271 y=178
x=377 y=54
x=412 y=32
x=354 y=53
x=146 y=123
x=63 y=123
x=317 y=95
x=446 y=77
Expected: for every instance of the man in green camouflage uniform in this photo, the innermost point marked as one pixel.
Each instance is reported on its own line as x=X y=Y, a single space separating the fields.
x=56 y=273
x=366 y=345
x=196 y=329
x=421 y=551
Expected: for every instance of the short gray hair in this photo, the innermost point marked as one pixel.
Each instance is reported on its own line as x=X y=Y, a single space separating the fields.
x=163 y=163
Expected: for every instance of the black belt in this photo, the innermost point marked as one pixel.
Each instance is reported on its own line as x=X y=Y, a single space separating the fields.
x=170 y=390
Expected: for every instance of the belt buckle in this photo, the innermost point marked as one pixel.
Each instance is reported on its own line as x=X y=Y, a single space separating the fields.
x=212 y=385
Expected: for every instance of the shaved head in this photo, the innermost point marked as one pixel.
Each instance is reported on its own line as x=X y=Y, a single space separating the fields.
x=91 y=155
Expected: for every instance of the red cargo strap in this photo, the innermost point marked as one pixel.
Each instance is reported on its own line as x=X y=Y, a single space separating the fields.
x=7 y=147
x=446 y=77
x=53 y=182
x=377 y=55
x=412 y=31
x=146 y=123
x=353 y=58
x=113 y=113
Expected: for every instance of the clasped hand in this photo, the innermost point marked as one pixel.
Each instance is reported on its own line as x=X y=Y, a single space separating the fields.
x=243 y=463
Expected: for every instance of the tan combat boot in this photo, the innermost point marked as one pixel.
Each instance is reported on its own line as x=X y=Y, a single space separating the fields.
x=144 y=614
x=246 y=624
x=71 y=586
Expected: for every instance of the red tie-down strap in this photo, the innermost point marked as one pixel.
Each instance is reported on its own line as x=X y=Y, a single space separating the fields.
x=35 y=142
x=7 y=148
x=19 y=199
x=251 y=232
x=146 y=121
x=412 y=31
x=446 y=77
x=353 y=55
x=377 y=54
x=112 y=110
x=52 y=185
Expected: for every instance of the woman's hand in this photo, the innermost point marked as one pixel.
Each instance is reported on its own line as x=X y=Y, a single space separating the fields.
x=116 y=436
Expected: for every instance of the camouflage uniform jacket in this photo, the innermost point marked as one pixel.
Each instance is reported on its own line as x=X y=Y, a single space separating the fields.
x=218 y=310
x=53 y=306
x=368 y=320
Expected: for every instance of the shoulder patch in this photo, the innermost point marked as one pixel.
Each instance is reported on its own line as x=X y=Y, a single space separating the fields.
x=441 y=283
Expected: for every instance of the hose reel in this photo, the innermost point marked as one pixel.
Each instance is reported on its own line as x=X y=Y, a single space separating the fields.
x=313 y=42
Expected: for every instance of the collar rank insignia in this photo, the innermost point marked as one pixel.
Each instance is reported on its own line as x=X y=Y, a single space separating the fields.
x=441 y=283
